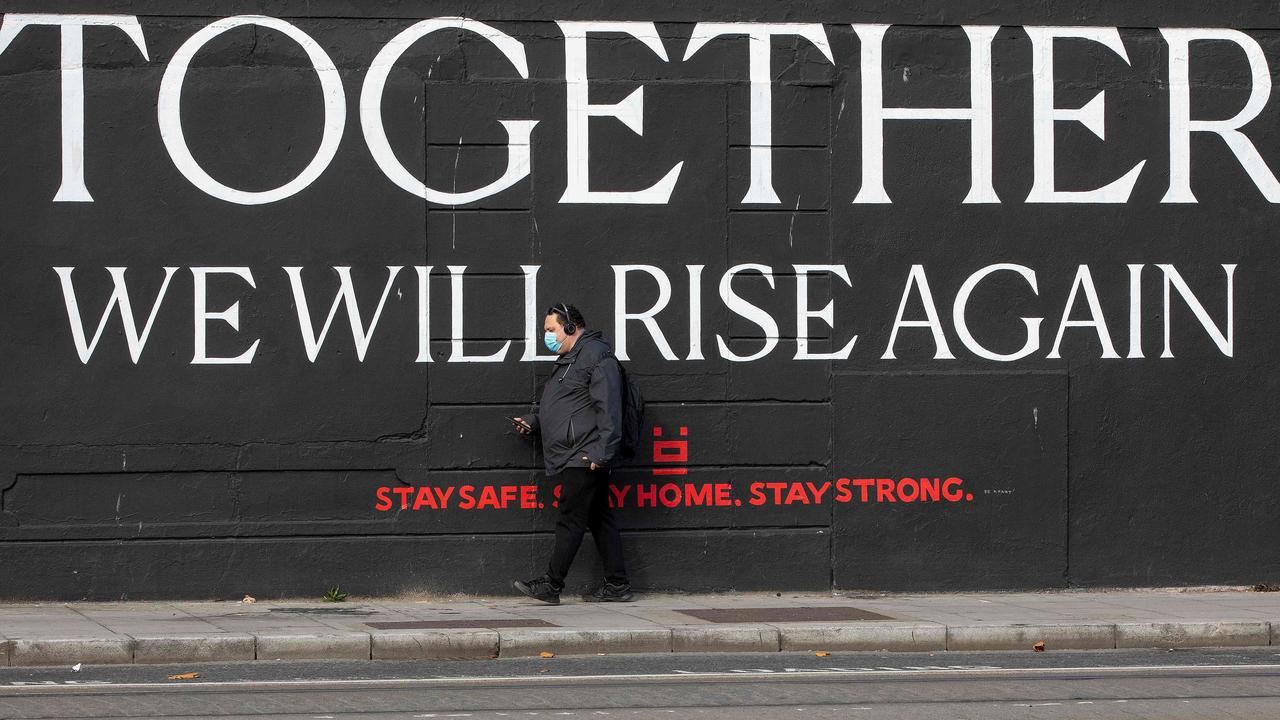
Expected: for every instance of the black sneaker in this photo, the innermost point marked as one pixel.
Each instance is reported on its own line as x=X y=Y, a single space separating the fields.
x=539 y=588
x=609 y=592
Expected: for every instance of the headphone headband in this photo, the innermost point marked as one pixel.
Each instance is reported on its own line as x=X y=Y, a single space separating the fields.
x=570 y=327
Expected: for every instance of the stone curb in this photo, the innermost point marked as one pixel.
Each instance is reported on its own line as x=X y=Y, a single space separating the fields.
x=725 y=638
x=1084 y=636
x=314 y=646
x=224 y=647
x=69 y=651
x=529 y=642
x=434 y=645
x=872 y=636
x=1193 y=634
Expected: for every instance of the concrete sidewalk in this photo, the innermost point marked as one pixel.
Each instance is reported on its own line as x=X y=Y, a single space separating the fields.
x=403 y=629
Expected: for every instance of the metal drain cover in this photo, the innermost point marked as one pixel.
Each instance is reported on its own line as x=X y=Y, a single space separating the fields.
x=460 y=624
x=785 y=614
x=321 y=611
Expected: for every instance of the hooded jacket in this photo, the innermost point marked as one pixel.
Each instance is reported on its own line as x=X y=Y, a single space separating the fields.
x=580 y=415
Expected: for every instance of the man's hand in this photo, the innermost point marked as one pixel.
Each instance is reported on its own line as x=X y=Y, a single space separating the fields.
x=595 y=466
x=522 y=426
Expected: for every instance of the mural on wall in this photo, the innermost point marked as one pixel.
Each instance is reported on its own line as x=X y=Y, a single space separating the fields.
x=915 y=305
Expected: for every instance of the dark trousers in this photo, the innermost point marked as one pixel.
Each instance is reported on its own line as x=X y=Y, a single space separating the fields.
x=584 y=505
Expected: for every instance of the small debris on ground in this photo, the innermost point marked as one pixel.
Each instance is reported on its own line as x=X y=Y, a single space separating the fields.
x=185 y=676
x=545 y=654
x=822 y=653
x=76 y=667
x=1267 y=587
x=249 y=600
x=1038 y=647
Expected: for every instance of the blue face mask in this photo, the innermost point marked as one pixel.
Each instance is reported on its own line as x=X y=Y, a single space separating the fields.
x=549 y=339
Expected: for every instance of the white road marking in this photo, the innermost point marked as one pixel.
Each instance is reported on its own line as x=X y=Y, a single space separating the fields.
x=828 y=670
x=19 y=683
x=49 y=686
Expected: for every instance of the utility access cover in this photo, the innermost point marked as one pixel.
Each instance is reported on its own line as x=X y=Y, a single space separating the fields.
x=785 y=614
x=318 y=611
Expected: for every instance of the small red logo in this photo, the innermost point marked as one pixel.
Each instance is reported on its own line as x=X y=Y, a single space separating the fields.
x=668 y=452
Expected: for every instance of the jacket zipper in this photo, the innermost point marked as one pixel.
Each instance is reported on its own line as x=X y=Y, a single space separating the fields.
x=566 y=369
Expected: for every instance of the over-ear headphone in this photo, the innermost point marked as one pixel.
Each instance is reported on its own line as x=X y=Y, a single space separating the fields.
x=569 y=326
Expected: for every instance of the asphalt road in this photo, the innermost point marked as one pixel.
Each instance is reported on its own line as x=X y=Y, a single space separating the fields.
x=982 y=686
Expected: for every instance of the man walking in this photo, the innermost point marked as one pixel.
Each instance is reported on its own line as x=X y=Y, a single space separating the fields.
x=580 y=422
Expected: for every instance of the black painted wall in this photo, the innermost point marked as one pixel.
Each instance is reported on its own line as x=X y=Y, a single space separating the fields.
x=161 y=478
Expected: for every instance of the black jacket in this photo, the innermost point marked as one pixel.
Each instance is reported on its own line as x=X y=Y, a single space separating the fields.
x=580 y=414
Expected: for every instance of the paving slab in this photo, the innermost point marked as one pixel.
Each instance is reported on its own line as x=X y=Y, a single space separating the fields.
x=244 y=617
x=595 y=616
x=354 y=623
x=468 y=611
x=668 y=617
x=248 y=618
x=273 y=621
x=53 y=621
x=151 y=619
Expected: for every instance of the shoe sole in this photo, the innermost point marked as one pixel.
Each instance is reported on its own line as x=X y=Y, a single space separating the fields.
x=591 y=599
x=524 y=590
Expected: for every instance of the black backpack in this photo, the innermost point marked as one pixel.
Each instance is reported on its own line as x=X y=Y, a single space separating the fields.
x=632 y=415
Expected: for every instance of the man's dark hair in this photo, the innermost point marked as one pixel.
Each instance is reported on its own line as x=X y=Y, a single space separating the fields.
x=567 y=314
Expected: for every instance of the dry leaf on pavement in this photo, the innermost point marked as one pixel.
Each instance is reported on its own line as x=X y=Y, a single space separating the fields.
x=546 y=654
x=185 y=676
